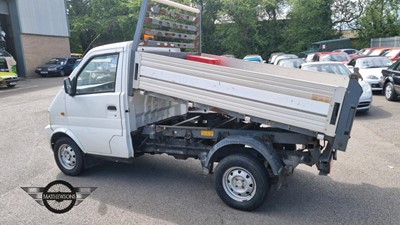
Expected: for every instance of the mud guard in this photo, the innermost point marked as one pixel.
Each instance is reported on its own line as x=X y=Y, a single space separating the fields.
x=265 y=149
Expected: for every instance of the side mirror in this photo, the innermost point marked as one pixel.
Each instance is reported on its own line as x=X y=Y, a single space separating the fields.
x=68 y=87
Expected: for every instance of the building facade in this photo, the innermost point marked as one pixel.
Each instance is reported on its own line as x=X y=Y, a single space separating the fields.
x=35 y=31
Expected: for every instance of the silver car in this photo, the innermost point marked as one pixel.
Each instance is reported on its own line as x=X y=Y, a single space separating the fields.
x=370 y=68
x=364 y=104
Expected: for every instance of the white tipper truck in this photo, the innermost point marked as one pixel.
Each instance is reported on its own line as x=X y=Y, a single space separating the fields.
x=256 y=122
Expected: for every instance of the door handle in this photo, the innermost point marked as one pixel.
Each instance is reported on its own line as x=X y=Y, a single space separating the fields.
x=112 y=108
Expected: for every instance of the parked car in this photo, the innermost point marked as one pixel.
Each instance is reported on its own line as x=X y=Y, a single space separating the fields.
x=331 y=57
x=273 y=56
x=309 y=57
x=254 y=58
x=370 y=68
x=57 y=66
x=7 y=77
x=379 y=51
x=364 y=103
x=391 y=81
x=285 y=56
x=291 y=63
x=350 y=51
x=76 y=63
x=393 y=54
x=369 y=50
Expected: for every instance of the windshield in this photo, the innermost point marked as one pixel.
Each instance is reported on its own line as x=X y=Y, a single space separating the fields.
x=57 y=61
x=335 y=58
x=328 y=68
x=392 y=53
x=376 y=52
x=375 y=62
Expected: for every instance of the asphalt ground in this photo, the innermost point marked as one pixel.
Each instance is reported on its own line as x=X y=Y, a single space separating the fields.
x=363 y=187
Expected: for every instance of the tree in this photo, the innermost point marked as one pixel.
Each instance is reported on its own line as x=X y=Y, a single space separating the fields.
x=381 y=19
x=109 y=20
x=345 y=13
x=81 y=32
x=309 y=21
x=240 y=19
x=211 y=38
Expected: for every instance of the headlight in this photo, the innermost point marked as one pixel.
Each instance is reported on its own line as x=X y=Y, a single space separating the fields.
x=38 y=69
x=372 y=77
x=365 y=86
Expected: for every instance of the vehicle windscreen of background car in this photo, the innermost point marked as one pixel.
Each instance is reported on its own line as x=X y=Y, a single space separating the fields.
x=57 y=61
x=339 y=69
x=380 y=62
x=335 y=58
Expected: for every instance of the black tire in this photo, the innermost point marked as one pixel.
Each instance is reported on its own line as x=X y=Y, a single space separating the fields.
x=68 y=156
x=390 y=93
x=252 y=182
x=62 y=73
x=10 y=86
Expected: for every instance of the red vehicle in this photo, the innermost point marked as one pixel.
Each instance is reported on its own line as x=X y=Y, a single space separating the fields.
x=331 y=57
x=379 y=51
x=393 y=54
x=374 y=51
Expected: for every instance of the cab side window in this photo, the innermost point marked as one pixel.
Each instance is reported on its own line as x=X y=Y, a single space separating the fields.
x=98 y=75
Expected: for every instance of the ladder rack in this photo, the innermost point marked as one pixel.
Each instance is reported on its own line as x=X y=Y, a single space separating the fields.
x=163 y=23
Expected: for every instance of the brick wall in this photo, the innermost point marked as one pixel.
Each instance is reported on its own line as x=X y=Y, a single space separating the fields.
x=40 y=49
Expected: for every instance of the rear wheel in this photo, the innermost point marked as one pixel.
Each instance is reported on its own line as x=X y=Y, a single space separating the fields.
x=390 y=93
x=242 y=181
x=62 y=73
x=68 y=156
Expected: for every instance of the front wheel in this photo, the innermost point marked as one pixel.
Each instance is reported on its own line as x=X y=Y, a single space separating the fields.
x=390 y=93
x=242 y=181
x=68 y=156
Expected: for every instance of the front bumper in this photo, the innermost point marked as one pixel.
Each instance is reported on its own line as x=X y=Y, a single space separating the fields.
x=9 y=81
x=365 y=101
x=49 y=132
x=48 y=73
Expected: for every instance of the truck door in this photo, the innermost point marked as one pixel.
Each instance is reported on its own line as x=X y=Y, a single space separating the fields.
x=95 y=112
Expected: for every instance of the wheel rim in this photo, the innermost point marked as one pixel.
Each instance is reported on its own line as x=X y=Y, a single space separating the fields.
x=67 y=156
x=388 y=91
x=239 y=184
